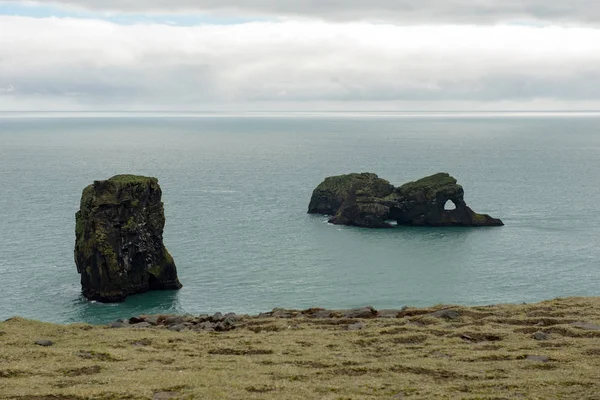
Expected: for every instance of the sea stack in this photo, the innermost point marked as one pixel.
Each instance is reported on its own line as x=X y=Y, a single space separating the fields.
x=119 y=248
x=368 y=201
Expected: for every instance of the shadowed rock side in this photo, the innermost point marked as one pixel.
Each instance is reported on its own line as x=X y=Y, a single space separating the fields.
x=368 y=201
x=119 y=247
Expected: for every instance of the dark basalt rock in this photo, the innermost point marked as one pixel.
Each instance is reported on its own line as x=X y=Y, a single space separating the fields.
x=368 y=201
x=119 y=247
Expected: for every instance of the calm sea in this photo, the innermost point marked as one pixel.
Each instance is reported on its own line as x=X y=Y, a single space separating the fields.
x=236 y=190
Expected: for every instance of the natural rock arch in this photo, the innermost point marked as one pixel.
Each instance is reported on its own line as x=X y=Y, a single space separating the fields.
x=450 y=205
x=368 y=201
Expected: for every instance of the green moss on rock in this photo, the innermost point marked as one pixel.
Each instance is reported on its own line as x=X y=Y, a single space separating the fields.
x=133 y=180
x=329 y=196
x=430 y=186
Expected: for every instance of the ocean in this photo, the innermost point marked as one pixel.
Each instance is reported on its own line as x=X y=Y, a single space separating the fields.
x=236 y=188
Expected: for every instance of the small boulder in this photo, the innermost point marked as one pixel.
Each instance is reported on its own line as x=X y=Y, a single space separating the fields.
x=229 y=322
x=177 y=327
x=446 y=314
x=356 y=327
x=543 y=359
x=173 y=320
x=117 y=324
x=541 y=336
x=364 y=312
x=388 y=313
x=152 y=320
x=280 y=313
x=142 y=343
x=586 y=326
x=136 y=320
x=321 y=314
x=44 y=343
x=217 y=317
x=205 y=326
x=221 y=327
x=142 y=325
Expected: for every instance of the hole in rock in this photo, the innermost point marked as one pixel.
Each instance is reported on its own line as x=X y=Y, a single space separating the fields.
x=449 y=206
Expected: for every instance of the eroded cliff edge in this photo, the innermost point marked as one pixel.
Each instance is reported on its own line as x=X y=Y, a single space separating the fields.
x=366 y=200
x=119 y=247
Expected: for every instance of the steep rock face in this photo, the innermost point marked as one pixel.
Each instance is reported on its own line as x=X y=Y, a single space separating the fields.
x=119 y=247
x=369 y=201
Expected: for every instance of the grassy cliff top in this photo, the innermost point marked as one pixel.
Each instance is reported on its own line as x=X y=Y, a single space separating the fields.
x=105 y=191
x=344 y=182
x=476 y=353
x=365 y=183
x=429 y=184
x=435 y=182
x=132 y=179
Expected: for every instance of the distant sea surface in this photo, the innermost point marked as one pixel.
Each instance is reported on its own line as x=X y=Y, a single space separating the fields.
x=236 y=190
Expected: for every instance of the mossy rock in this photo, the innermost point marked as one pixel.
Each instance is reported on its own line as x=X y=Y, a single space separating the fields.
x=329 y=196
x=368 y=201
x=119 y=247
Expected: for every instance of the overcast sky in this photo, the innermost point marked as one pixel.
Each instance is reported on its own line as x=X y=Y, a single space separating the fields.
x=300 y=55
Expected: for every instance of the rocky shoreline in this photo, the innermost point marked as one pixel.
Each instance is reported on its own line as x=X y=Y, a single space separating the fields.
x=220 y=322
x=350 y=319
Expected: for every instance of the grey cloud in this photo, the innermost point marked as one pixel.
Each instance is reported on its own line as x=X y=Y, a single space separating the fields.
x=405 y=11
x=48 y=61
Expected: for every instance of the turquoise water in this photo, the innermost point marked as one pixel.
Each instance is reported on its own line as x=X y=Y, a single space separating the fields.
x=236 y=191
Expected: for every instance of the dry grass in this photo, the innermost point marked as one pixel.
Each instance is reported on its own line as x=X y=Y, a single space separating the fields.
x=481 y=355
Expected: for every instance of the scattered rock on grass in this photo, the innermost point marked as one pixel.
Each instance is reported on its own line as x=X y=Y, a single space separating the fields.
x=173 y=320
x=217 y=317
x=543 y=359
x=586 y=326
x=279 y=313
x=541 y=336
x=44 y=343
x=142 y=343
x=322 y=314
x=205 y=326
x=446 y=314
x=388 y=313
x=356 y=327
x=117 y=324
x=364 y=312
x=136 y=320
x=177 y=328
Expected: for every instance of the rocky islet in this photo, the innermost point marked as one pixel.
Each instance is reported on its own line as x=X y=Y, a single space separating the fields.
x=365 y=200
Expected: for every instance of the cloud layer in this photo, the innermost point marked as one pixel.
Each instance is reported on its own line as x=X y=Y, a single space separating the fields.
x=405 y=11
x=62 y=63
